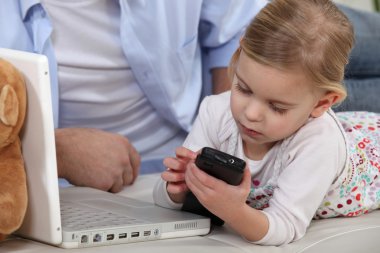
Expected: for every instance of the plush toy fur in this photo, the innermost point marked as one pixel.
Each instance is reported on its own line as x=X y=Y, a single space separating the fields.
x=13 y=190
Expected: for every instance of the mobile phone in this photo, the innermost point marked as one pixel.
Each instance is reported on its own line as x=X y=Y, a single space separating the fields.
x=220 y=165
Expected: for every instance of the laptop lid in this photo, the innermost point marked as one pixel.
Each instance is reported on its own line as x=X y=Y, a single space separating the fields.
x=43 y=220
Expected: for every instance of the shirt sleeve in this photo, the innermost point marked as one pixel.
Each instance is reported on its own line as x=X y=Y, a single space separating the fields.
x=222 y=25
x=161 y=196
x=204 y=133
x=314 y=158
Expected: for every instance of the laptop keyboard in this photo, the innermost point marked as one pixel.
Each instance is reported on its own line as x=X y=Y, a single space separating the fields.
x=84 y=217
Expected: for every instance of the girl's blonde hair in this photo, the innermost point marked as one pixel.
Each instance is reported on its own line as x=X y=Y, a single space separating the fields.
x=312 y=34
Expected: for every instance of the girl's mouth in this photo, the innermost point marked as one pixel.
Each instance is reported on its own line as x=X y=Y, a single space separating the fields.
x=250 y=132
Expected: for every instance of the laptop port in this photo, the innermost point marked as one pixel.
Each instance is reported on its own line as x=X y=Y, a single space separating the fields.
x=110 y=237
x=122 y=235
x=147 y=233
x=135 y=234
x=84 y=239
x=97 y=238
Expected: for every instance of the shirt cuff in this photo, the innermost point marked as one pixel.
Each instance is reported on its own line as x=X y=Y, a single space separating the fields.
x=161 y=196
x=264 y=240
x=220 y=57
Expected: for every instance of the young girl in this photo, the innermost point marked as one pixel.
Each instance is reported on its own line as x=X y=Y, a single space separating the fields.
x=303 y=161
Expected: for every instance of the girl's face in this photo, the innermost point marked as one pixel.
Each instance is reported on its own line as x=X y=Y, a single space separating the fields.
x=269 y=105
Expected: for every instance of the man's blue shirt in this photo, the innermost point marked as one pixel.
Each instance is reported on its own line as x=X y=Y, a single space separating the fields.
x=168 y=43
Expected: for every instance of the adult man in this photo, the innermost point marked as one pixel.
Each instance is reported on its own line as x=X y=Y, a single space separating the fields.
x=126 y=76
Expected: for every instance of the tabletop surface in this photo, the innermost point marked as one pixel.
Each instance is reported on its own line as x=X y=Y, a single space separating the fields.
x=360 y=234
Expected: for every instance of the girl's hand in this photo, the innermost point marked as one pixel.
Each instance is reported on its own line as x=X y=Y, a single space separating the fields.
x=224 y=200
x=175 y=174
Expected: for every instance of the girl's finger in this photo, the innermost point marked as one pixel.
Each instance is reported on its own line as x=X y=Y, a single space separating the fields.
x=174 y=163
x=173 y=176
x=184 y=153
x=176 y=188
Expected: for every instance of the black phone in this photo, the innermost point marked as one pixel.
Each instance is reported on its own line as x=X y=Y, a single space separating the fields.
x=220 y=165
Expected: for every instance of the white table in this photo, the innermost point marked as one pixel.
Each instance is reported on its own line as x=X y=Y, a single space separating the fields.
x=348 y=235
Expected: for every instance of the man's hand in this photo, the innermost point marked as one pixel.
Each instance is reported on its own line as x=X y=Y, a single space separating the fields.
x=95 y=158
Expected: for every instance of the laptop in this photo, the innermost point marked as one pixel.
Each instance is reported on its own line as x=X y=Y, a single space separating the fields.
x=75 y=217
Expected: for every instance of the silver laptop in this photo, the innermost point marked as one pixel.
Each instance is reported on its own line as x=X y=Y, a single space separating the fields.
x=76 y=217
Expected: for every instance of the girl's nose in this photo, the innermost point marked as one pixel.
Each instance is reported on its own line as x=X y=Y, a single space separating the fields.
x=254 y=110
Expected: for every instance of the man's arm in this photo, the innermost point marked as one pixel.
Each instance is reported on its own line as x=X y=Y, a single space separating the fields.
x=221 y=27
x=220 y=80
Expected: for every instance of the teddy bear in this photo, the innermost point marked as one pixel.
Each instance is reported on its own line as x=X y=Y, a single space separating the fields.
x=13 y=186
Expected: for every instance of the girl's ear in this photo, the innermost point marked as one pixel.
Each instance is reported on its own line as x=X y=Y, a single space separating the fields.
x=324 y=103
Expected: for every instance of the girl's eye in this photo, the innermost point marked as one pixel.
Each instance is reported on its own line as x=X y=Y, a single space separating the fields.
x=242 y=89
x=277 y=109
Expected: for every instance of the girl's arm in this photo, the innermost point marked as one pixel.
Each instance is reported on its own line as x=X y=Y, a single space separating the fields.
x=170 y=188
x=174 y=176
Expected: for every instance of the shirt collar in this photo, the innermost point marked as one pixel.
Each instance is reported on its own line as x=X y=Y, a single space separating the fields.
x=26 y=5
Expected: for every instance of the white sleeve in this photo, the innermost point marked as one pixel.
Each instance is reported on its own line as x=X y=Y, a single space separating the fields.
x=315 y=156
x=161 y=196
x=204 y=133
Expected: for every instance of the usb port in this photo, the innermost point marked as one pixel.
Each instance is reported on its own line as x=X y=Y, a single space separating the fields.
x=146 y=233
x=84 y=239
x=97 y=238
x=122 y=235
x=135 y=234
x=110 y=237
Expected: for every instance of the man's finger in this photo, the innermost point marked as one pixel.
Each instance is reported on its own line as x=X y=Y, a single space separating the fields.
x=117 y=186
x=128 y=176
x=135 y=161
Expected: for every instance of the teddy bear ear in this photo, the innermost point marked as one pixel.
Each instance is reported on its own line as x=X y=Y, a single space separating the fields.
x=8 y=106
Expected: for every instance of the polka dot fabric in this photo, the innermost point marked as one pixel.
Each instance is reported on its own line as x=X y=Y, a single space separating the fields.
x=357 y=190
